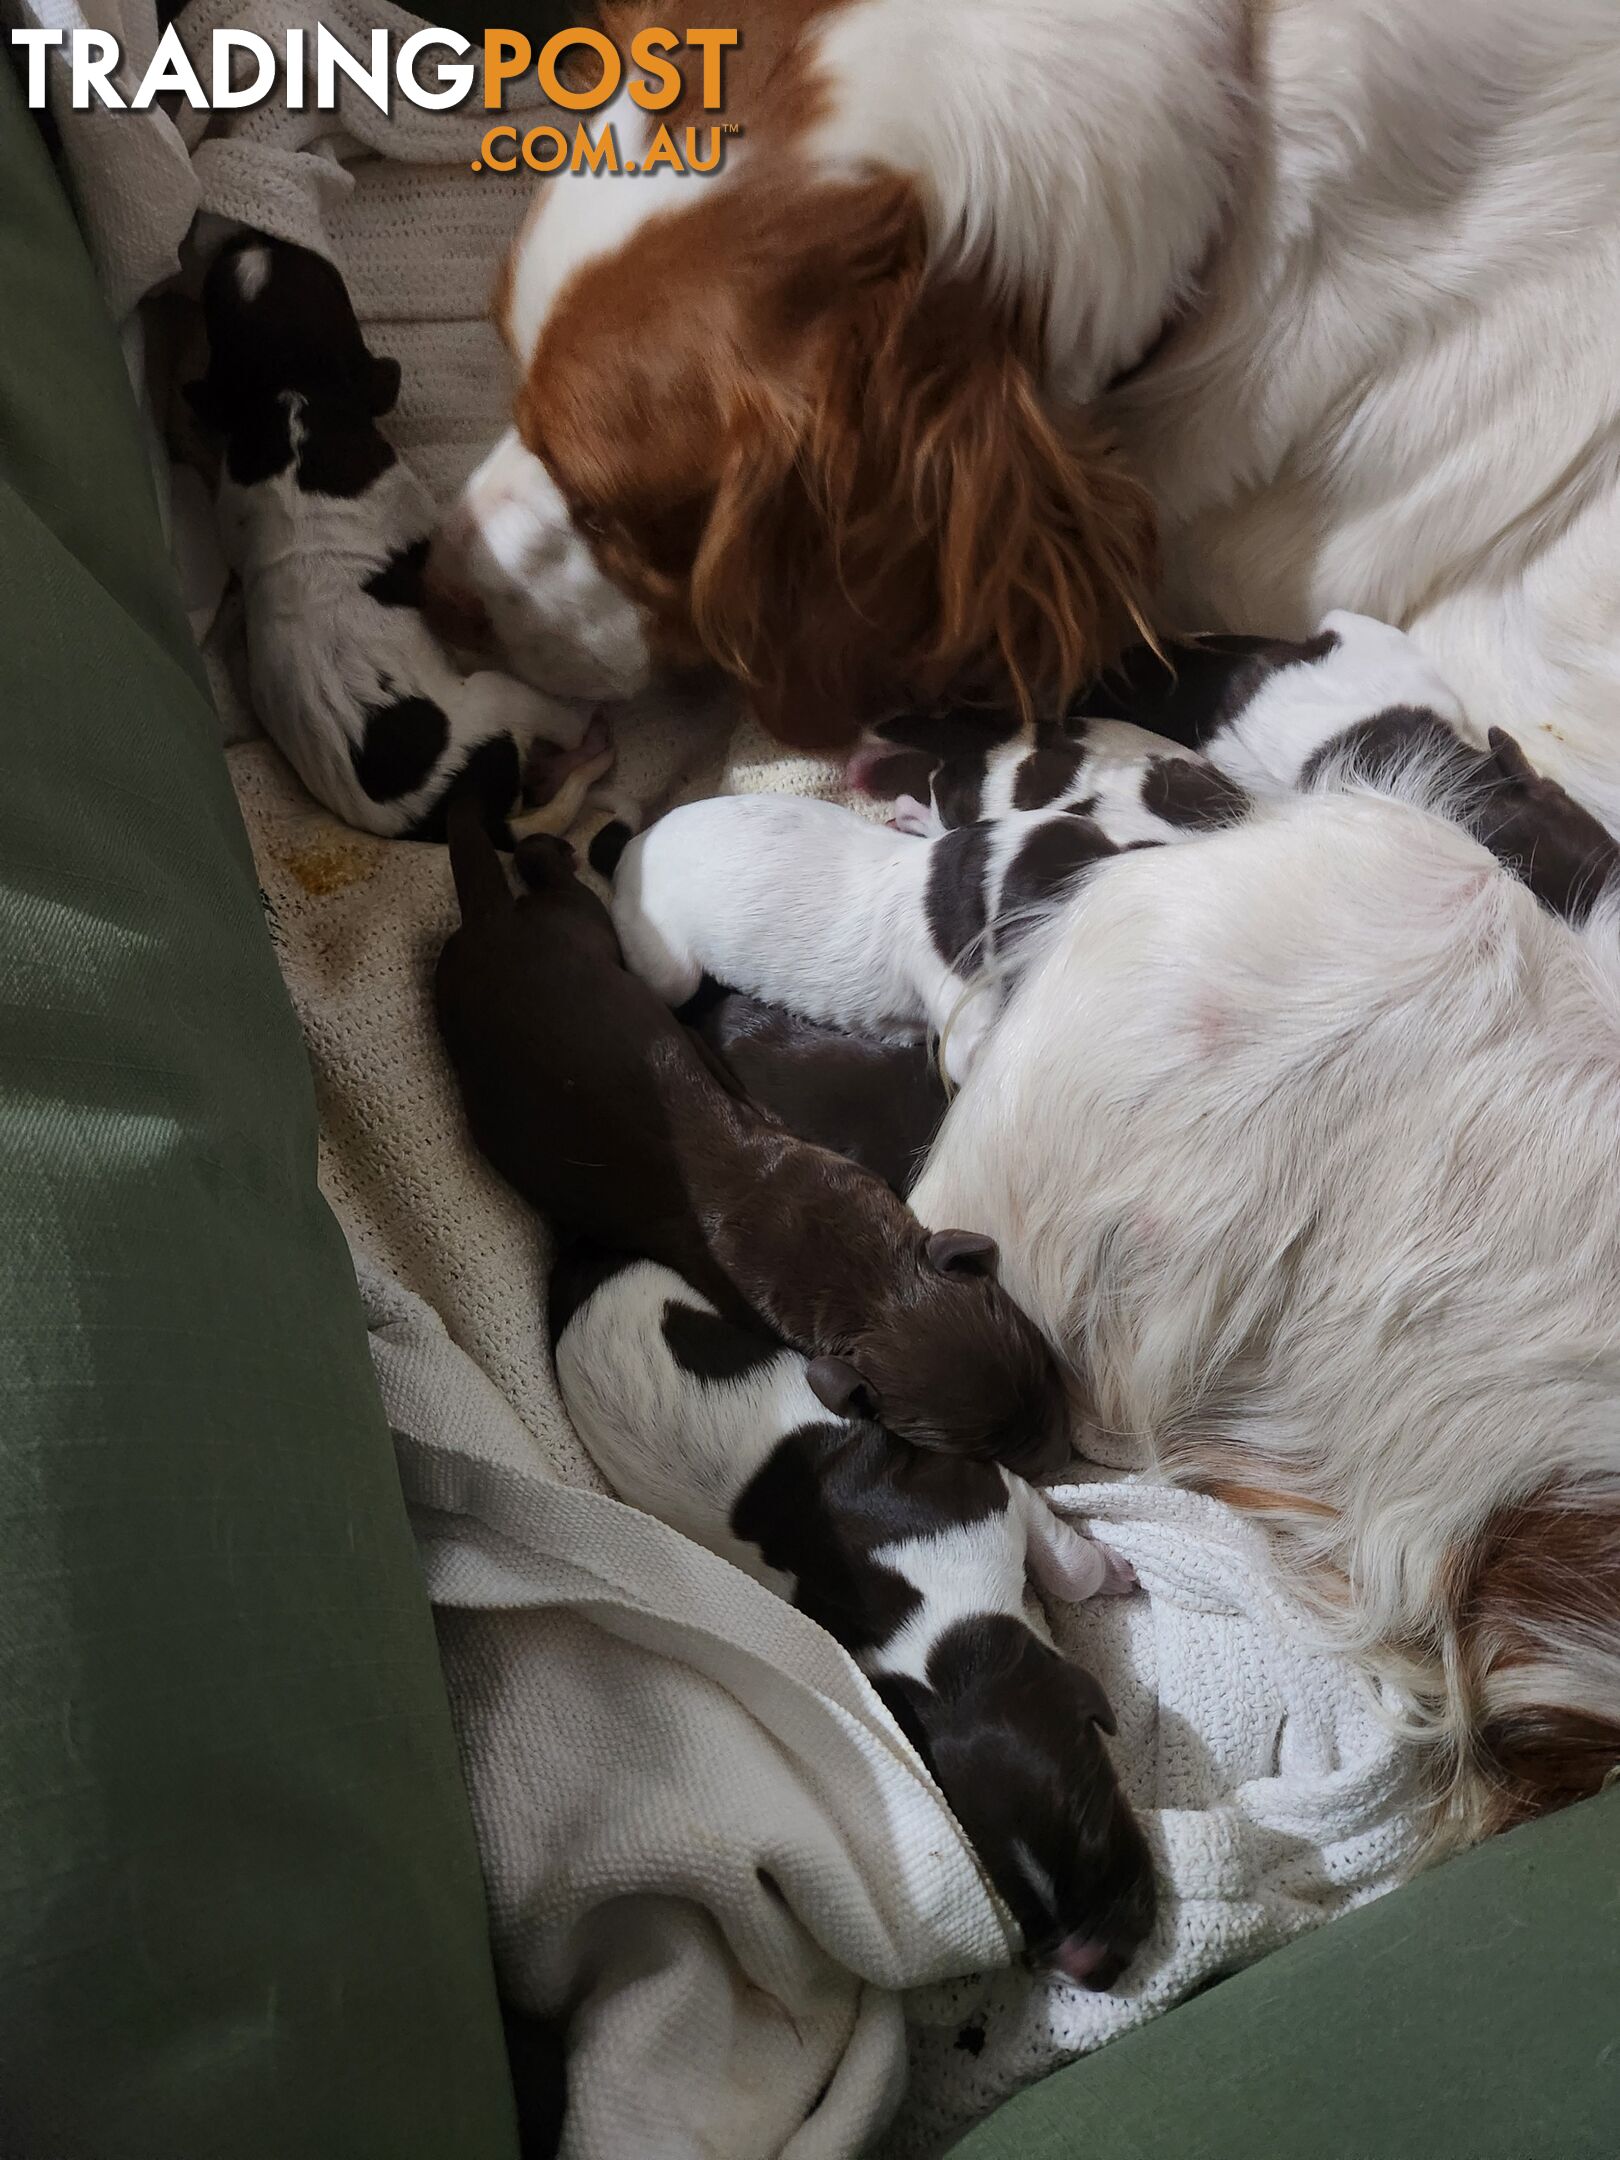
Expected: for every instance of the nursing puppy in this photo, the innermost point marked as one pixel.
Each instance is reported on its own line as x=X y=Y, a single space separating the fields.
x=606 y=1114
x=879 y=1103
x=1188 y=741
x=1140 y=788
x=328 y=529
x=1180 y=739
x=915 y=1563
x=807 y=905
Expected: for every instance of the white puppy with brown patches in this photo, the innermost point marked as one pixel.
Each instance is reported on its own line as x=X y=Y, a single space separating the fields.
x=916 y=1562
x=327 y=528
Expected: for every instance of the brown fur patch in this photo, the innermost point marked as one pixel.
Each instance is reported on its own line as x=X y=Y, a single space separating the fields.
x=1261 y=1500
x=1547 y=1569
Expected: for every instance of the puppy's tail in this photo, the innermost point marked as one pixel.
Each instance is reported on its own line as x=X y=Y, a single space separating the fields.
x=480 y=875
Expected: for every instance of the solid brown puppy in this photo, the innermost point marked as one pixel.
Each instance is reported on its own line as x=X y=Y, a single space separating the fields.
x=591 y=1099
x=879 y=1103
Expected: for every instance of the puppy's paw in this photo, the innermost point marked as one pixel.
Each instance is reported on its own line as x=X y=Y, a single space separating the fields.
x=1069 y=1566
x=551 y=766
x=1119 y=1577
x=914 y=817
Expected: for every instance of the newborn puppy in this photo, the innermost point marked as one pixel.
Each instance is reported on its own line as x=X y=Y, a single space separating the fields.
x=1234 y=718
x=878 y=1103
x=809 y=906
x=1252 y=716
x=1362 y=696
x=1139 y=788
x=328 y=529
x=916 y=1563
x=608 y=1116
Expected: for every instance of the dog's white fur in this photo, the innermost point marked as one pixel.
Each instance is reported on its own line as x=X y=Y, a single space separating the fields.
x=683 y=1449
x=1078 y=149
x=1397 y=392
x=321 y=649
x=556 y=620
x=1384 y=238
x=1302 y=1142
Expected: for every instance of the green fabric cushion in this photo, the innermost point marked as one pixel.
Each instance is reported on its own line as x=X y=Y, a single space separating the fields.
x=240 y=1910
x=1474 y=2015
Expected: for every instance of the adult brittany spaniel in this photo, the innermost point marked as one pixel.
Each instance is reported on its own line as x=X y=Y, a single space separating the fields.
x=1328 y=291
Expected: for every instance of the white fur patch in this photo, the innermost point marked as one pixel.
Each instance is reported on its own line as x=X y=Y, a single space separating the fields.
x=510 y=543
x=252 y=272
x=1300 y=711
x=1074 y=152
x=959 y=1573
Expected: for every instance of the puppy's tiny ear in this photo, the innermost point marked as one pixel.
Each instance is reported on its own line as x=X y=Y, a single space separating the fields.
x=382 y=390
x=1511 y=761
x=962 y=1252
x=838 y=1387
x=1091 y=1702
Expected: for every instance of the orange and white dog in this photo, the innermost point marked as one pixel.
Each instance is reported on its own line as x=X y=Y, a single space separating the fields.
x=1325 y=294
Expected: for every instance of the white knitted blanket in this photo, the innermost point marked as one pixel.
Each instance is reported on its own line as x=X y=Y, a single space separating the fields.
x=1271 y=1791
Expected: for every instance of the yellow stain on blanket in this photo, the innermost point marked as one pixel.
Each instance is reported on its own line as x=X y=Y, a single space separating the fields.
x=333 y=860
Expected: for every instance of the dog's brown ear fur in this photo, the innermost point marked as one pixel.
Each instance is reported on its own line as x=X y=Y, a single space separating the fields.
x=901 y=516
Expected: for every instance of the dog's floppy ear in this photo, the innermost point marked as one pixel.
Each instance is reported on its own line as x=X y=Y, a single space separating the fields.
x=962 y=1252
x=838 y=1387
x=900 y=517
x=382 y=387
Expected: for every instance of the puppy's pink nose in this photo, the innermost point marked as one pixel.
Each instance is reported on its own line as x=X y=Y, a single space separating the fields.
x=1081 y=1958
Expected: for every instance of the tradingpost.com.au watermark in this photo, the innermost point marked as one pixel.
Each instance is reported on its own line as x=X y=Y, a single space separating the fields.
x=434 y=69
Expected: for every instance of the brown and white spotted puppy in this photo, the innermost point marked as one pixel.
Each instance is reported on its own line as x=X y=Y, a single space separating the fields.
x=916 y=1563
x=856 y=925
x=328 y=529
x=612 y=1120
x=1185 y=740
x=941 y=771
